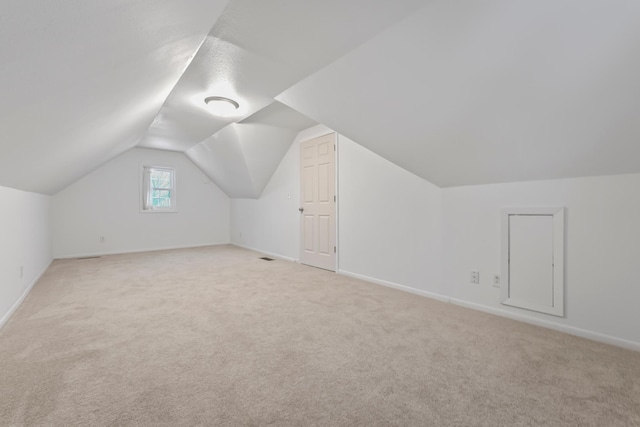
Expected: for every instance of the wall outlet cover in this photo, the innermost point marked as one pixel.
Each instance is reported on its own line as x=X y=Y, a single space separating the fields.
x=475 y=277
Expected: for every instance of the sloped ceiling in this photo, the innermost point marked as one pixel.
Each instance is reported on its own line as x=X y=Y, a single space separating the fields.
x=241 y=157
x=456 y=92
x=80 y=82
x=493 y=91
x=256 y=50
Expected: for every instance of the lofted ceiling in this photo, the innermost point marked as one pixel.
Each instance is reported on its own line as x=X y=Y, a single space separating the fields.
x=81 y=82
x=466 y=92
x=241 y=157
x=256 y=50
x=456 y=92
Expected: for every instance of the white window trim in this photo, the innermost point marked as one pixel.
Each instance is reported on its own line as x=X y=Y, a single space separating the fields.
x=174 y=193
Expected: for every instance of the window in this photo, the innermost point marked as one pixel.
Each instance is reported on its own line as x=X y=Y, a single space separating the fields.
x=158 y=189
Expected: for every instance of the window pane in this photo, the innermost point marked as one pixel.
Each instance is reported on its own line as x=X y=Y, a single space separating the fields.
x=161 y=198
x=160 y=179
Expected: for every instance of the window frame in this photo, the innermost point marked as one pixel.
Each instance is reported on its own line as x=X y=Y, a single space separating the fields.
x=143 y=191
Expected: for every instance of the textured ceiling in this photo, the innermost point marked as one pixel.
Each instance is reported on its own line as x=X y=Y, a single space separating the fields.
x=80 y=82
x=456 y=92
x=256 y=50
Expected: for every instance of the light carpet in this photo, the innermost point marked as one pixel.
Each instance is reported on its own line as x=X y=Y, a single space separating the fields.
x=216 y=336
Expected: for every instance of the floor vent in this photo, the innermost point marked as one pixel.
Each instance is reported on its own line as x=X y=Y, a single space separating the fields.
x=266 y=258
x=87 y=257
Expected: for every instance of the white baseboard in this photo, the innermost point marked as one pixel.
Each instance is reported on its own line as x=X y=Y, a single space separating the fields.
x=409 y=289
x=571 y=330
x=20 y=300
x=271 y=254
x=135 y=251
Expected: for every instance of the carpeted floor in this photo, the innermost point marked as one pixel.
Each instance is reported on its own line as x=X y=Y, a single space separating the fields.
x=216 y=336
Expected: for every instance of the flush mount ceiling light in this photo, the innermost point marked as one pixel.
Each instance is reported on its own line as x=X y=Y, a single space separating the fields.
x=221 y=106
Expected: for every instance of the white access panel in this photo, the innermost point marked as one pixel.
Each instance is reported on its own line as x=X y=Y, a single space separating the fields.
x=533 y=259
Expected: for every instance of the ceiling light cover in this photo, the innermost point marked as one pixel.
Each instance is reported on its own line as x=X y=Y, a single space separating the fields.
x=221 y=106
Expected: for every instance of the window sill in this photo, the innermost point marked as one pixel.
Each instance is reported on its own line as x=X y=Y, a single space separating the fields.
x=159 y=211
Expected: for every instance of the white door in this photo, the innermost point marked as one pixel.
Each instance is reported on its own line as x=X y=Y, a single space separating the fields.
x=318 y=210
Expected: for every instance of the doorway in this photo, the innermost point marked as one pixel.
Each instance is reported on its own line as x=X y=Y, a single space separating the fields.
x=318 y=202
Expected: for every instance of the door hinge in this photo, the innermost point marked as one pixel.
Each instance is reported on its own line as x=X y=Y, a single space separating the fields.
x=334 y=249
x=334 y=198
x=334 y=147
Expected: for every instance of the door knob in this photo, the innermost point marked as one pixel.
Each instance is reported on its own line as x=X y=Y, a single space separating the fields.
x=301 y=209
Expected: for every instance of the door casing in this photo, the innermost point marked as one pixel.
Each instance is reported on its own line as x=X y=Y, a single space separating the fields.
x=318 y=199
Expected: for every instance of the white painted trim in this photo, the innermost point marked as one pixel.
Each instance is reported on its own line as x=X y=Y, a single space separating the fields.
x=557 y=213
x=135 y=251
x=315 y=131
x=337 y=205
x=335 y=194
x=174 y=194
x=20 y=300
x=271 y=254
x=409 y=289
x=571 y=330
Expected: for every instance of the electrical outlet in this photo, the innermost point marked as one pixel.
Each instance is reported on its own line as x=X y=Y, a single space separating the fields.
x=475 y=277
x=496 y=280
x=101 y=239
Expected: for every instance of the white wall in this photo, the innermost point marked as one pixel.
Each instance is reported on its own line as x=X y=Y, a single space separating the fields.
x=107 y=203
x=602 y=256
x=398 y=229
x=25 y=241
x=271 y=223
x=389 y=219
